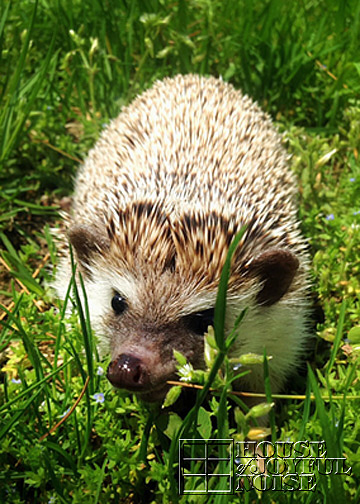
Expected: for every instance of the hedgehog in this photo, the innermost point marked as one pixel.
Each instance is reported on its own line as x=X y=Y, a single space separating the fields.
x=157 y=202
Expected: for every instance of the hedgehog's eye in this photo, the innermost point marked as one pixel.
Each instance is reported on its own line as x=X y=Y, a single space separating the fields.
x=199 y=322
x=118 y=304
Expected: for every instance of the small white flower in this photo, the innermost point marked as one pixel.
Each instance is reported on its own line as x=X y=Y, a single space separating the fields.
x=99 y=397
x=186 y=373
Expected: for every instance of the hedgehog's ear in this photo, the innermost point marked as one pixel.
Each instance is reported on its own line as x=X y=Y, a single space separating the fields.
x=276 y=270
x=87 y=241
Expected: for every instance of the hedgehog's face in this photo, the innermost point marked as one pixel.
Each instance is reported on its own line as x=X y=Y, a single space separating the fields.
x=140 y=320
x=142 y=344
x=143 y=313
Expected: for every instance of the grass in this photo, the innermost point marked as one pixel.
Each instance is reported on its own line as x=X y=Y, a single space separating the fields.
x=66 y=68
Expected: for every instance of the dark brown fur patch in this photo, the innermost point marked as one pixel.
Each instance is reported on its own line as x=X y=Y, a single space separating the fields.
x=276 y=270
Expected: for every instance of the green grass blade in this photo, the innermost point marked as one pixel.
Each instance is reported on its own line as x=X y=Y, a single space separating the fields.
x=36 y=85
x=220 y=305
x=34 y=386
x=306 y=413
x=17 y=415
x=3 y=19
x=219 y=323
x=269 y=398
x=337 y=340
x=332 y=446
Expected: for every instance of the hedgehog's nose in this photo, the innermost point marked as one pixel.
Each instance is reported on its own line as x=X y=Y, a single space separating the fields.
x=129 y=372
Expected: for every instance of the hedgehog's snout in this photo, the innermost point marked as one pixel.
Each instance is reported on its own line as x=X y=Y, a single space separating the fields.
x=129 y=372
